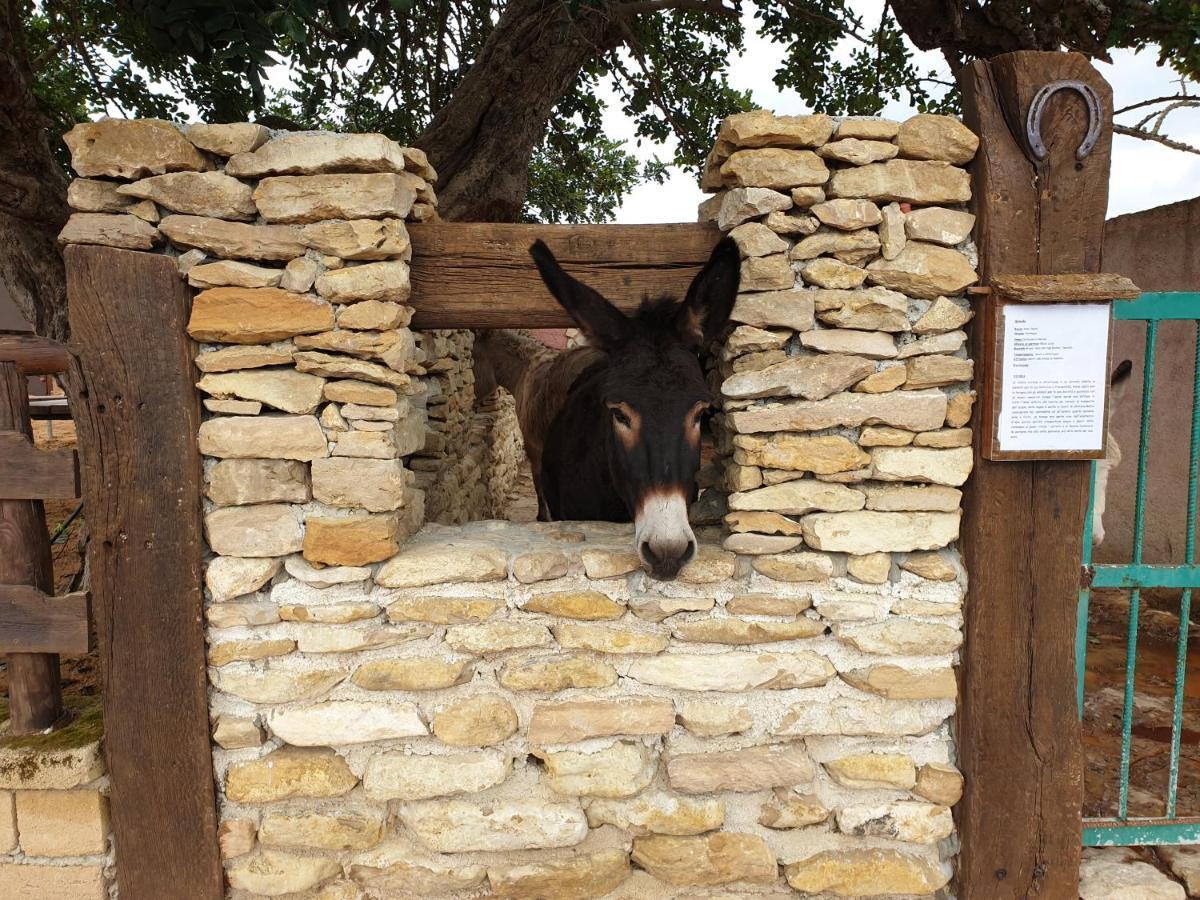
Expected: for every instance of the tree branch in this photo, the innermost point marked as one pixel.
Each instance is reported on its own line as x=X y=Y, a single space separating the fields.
x=1151 y=102
x=1157 y=138
x=640 y=7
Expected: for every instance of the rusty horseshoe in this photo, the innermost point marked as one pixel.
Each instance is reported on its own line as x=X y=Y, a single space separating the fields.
x=1033 y=121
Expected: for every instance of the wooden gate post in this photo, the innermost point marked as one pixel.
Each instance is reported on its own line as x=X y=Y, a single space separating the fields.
x=137 y=416
x=1018 y=728
x=34 y=689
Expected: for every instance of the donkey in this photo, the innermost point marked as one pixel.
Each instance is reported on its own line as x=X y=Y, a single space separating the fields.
x=612 y=429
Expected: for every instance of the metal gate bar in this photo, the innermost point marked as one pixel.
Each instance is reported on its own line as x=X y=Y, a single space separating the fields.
x=1169 y=829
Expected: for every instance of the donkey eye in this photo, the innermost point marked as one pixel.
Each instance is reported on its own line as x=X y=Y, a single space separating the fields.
x=620 y=417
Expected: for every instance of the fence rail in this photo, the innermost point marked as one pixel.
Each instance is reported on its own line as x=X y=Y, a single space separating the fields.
x=1136 y=576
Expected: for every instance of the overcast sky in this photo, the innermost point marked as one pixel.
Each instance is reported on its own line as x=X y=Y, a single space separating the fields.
x=1144 y=174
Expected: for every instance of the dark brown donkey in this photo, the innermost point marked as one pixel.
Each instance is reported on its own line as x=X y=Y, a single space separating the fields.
x=613 y=429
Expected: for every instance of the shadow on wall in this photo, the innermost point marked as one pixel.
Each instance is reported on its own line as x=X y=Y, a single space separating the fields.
x=1160 y=250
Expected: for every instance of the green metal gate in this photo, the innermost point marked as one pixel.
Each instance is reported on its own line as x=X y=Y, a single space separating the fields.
x=1136 y=576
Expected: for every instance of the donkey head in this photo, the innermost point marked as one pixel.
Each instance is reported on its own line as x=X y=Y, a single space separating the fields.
x=653 y=395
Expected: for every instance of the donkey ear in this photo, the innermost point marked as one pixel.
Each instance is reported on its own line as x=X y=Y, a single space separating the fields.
x=705 y=310
x=604 y=324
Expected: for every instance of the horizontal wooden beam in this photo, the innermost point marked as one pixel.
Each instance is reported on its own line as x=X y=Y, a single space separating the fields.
x=32 y=622
x=480 y=275
x=1075 y=288
x=27 y=473
x=33 y=354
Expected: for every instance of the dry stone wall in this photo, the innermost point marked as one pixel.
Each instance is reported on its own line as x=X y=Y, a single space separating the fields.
x=494 y=709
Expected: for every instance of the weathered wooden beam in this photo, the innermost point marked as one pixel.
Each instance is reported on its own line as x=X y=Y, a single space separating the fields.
x=33 y=354
x=1074 y=288
x=34 y=689
x=479 y=275
x=27 y=473
x=1018 y=732
x=34 y=622
x=142 y=477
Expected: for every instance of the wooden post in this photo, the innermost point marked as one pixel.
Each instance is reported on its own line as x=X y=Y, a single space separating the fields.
x=1018 y=728
x=34 y=690
x=137 y=416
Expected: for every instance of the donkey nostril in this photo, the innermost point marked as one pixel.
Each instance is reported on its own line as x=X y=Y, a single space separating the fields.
x=648 y=554
x=690 y=551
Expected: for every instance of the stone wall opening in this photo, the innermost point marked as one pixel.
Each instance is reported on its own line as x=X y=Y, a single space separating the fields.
x=411 y=697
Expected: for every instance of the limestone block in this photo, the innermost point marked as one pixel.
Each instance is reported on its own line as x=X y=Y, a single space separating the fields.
x=377 y=485
x=922 y=464
x=585 y=605
x=937 y=371
x=718 y=858
x=373 y=315
x=939 y=783
x=442 y=561
x=397 y=775
x=234 y=315
x=775 y=309
x=899 y=683
x=62 y=823
x=1184 y=863
x=578 y=720
x=236 y=837
x=767 y=273
x=478 y=721
x=831 y=241
x=788 y=809
x=811 y=377
x=871 y=344
x=412 y=674
x=8 y=823
x=924 y=270
x=707 y=719
x=891 y=231
x=544 y=565
x=556 y=673
x=353 y=723
x=742 y=771
x=745 y=631
x=582 y=875
x=443 y=610
x=228 y=139
x=269 y=529
x=620 y=770
x=229 y=576
x=865 y=873
x=238 y=615
x=287 y=773
x=748 y=339
x=945 y=439
x=354 y=640
x=902 y=637
x=109 y=230
x=864 y=717
x=233 y=482
x=774 y=167
x=233 y=240
x=761 y=128
x=131 y=148
x=417 y=878
x=228 y=273
x=249 y=356
x=947 y=342
x=237 y=733
x=873 y=568
x=943 y=315
x=603 y=639
x=304 y=199
x=247 y=651
x=858 y=152
x=467 y=826
x=1112 y=872
x=345 y=830
x=275 y=685
x=387 y=280
x=804 y=197
x=313 y=152
x=299 y=274
x=938 y=225
x=284 y=389
x=496 y=637
x=868 y=531
x=906 y=181
x=354 y=541
x=196 y=194
x=767 y=605
x=933 y=566
x=756 y=239
x=328 y=613
x=53 y=882
x=272 y=873
x=799 y=497
x=359 y=239
x=872 y=309
x=742 y=204
x=928 y=136
x=867 y=771
x=762 y=522
x=732 y=671
x=901 y=497
x=93 y=195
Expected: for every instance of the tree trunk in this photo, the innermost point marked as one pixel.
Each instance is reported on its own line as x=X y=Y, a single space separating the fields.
x=33 y=191
x=482 y=140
